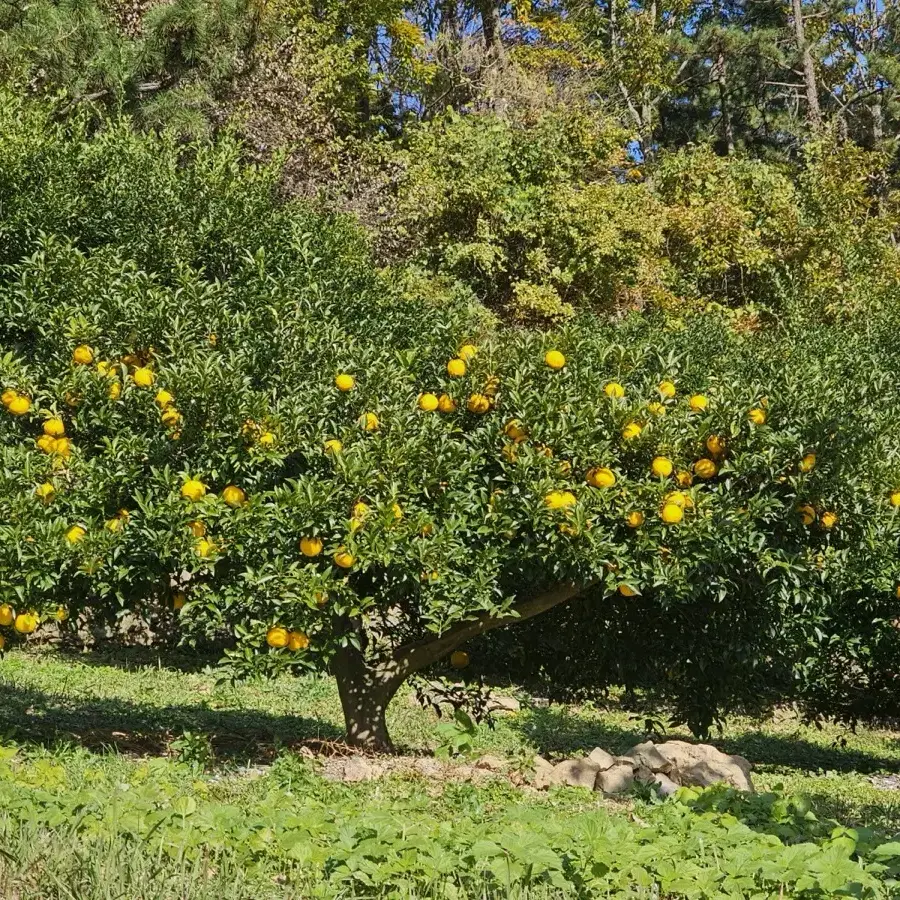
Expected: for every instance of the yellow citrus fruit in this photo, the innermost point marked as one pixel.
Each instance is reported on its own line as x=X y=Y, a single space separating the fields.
x=266 y=439
x=478 y=404
x=560 y=499
x=360 y=510
x=344 y=559
x=656 y=409
x=26 y=623
x=492 y=385
x=446 y=404
x=459 y=659
x=8 y=396
x=661 y=467
x=715 y=445
x=369 y=421
x=213 y=339
x=103 y=368
x=808 y=463
x=699 y=402
x=197 y=528
x=54 y=427
x=667 y=389
x=344 y=382
x=627 y=591
x=705 y=468
x=62 y=447
x=676 y=497
x=62 y=614
x=757 y=416
x=807 y=514
x=672 y=513
x=635 y=519
x=117 y=523
x=46 y=443
x=467 y=351
x=614 y=390
x=7 y=614
x=163 y=398
x=510 y=452
x=895 y=498
x=684 y=479
x=19 y=405
x=297 y=640
x=829 y=520
x=428 y=402
x=321 y=598
x=554 y=359
x=45 y=491
x=143 y=377
x=631 y=431
x=234 y=496
x=397 y=510
x=600 y=477
x=115 y=391
x=310 y=546
x=193 y=490
x=170 y=417
x=83 y=355
x=277 y=636
x=178 y=600
x=515 y=431
x=334 y=446
x=75 y=534
x=456 y=368
x=204 y=548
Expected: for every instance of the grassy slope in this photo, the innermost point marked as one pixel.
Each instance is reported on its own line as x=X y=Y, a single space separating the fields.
x=105 y=718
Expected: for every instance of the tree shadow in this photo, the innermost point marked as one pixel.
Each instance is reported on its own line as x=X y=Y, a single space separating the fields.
x=131 y=658
x=114 y=725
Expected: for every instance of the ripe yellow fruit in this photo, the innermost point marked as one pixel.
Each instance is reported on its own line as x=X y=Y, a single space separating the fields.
x=310 y=546
x=234 y=496
x=656 y=409
x=334 y=446
x=667 y=389
x=321 y=598
x=446 y=404
x=62 y=614
x=631 y=431
x=705 y=468
x=895 y=498
x=661 y=467
x=197 y=528
x=297 y=640
x=7 y=614
x=163 y=398
x=83 y=355
x=8 y=396
x=510 y=452
x=115 y=391
x=614 y=390
x=19 y=405
x=193 y=490
x=344 y=558
x=560 y=499
x=808 y=463
x=54 y=427
x=554 y=359
x=515 y=431
x=459 y=659
x=267 y=439
x=678 y=498
x=397 y=510
x=143 y=377
x=627 y=591
x=360 y=510
x=456 y=368
x=684 y=479
x=757 y=416
x=491 y=385
x=277 y=637
x=344 y=382
x=103 y=368
x=807 y=514
x=45 y=491
x=204 y=548
x=715 y=444
x=75 y=534
x=829 y=520
x=478 y=404
x=467 y=351
x=118 y=522
x=369 y=422
x=635 y=519
x=62 y=447
x=672 y=513
x=46 y=443
x=428 y=402
x=699 y=402
x=170 y=417
x=601 y=477
x=178 y=600
x=26 y=623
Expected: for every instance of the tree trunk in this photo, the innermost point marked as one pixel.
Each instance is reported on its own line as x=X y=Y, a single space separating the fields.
x=490 y=26
x=813 y=110
x=720 y=71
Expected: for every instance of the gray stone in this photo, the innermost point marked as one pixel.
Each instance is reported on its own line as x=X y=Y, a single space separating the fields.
x=575 y=773
x=603 y=759
x=648 y=755
x=643 y=775
x=498 y=704
x=701 y=765
x=490 y=763
x=356 y=768
x=542 y=772
x=664 y=785
x=616 y=780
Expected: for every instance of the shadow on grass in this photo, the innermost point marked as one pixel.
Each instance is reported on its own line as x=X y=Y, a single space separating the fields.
x=131 y=658
x=120 y=726
x=555 y=730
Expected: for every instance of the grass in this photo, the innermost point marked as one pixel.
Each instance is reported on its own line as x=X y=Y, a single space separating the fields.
x=119 y=728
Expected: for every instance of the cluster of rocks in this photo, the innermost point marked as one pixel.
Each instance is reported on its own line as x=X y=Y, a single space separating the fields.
x=668 y=766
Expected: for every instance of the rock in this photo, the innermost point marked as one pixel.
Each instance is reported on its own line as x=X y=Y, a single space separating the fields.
x=490 y=763
x=701 y=765
x=643 y=775
x=575 y=773
x=603 y=759
x=497 y=704
x=626 y=761
x=665 y=787
x=616 y=780
x=542 y=772
x=647 y=755
x=354 y=768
